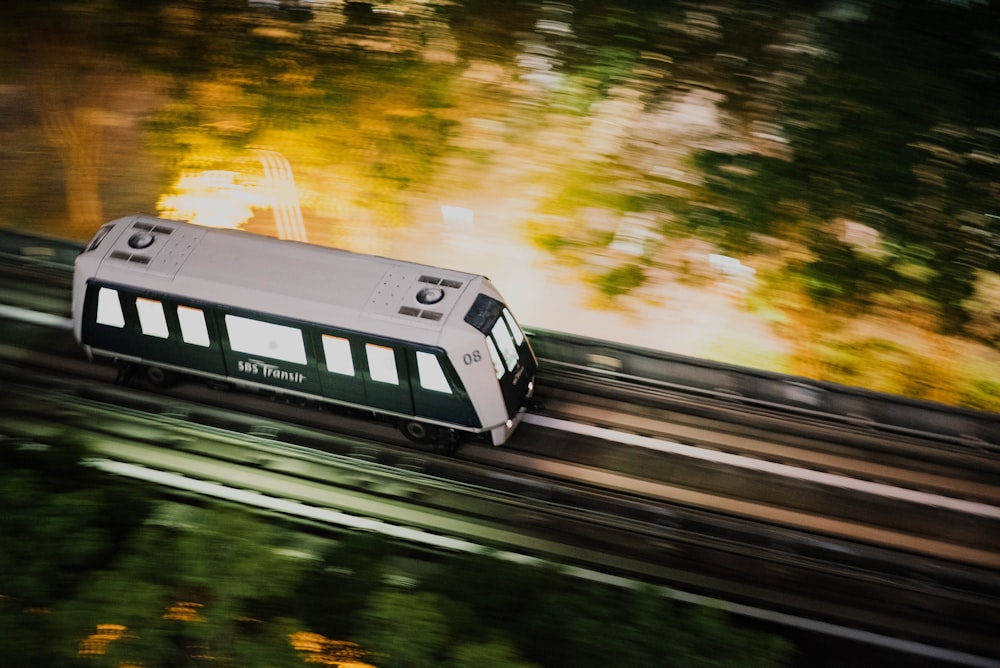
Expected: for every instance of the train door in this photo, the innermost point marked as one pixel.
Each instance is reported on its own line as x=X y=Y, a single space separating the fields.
x=340 y=370
x=387 y=378
x=198 y=340
x=178 y=335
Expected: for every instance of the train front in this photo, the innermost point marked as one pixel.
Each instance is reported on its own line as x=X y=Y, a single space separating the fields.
x=507 y=350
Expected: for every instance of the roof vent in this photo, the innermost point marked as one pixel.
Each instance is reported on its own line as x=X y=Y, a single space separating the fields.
x=160 y=229
x=443 y=282
x=129 y=257
x=417 y=313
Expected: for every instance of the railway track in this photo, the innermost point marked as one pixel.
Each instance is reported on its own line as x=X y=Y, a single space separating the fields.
x=565 y=518
x=580 y=497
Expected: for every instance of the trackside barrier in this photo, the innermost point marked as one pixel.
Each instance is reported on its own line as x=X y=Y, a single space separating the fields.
x=765 y=389
x=39 y=249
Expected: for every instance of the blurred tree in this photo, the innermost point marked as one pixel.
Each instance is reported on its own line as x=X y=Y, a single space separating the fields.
x=495 y=654
x=360 y=129
x=740 y=200
x=405 y=630
x=335 y=589
x=852 y=121
x=955 y=190
x=984 y=308
x=495 y=591
x=57 y=537
x=882 y=133
x=560 y=621
x=710 y=641
x=66 y=65
x=67 y=520
x=180 y=595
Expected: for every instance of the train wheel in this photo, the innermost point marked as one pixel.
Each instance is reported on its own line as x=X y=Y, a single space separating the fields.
x=418 y=432
x=159 y=377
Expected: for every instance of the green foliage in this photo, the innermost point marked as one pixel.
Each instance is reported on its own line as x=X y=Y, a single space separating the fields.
x=68 y=520
x=65 y=520
x=620 y=280
x=980 y=391
x=741 y=198
x=841 y=274
x=852 y=125
x=880 y=365
x=495 y=654
x=560 y=621
x=336 y=588
x=585 y=186
x=188 y=591
x=405 y=630
x=950 y=287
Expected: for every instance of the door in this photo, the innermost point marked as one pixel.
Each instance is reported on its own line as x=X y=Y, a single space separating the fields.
x=387 y=378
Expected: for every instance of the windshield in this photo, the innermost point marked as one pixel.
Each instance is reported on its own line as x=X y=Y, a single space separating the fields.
x=484 y=313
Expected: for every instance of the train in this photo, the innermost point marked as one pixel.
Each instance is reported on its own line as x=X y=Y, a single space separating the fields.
x=436 y=352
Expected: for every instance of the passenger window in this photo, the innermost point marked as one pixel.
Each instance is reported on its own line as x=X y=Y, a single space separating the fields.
x=431 y=374
x=109 y=308
x=338 y=355
x=193 y=327
x=256 y=337
x=495 y=356
x=151 y=318
x=382 y=363
x=505 y=343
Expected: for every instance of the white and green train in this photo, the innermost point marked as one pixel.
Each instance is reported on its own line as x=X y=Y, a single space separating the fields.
x=435 y=350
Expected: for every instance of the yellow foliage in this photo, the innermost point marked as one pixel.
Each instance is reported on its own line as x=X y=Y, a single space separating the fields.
x=322 y=650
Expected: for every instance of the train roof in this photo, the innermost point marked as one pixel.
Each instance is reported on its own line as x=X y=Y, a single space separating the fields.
x=295 y=280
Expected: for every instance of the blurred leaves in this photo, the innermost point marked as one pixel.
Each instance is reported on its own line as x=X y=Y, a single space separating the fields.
x=757 y=130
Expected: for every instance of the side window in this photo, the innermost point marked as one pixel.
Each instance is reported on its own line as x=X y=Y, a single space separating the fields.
x=505 y=343
x=109 y=308
x=431 y=374
x=193 y=327
x=337 y=351
x=514 y=328
x=152 y=321
x=382 y=363
x=257 y=337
